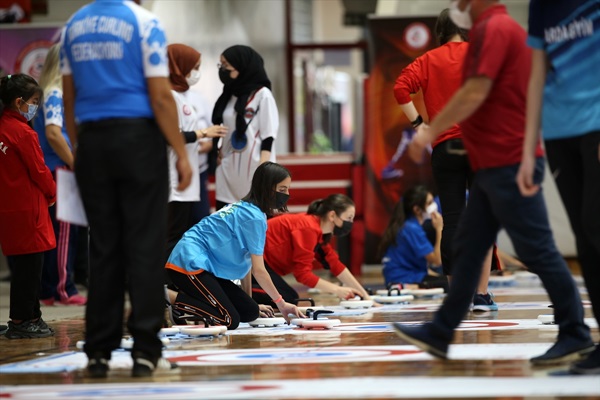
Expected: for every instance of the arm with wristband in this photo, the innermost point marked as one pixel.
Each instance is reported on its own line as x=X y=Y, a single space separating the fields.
x=410 y=81
x=264 y=280
x=212 y=132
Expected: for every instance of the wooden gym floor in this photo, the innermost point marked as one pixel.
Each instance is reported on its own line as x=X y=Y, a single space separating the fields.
x=477 y=373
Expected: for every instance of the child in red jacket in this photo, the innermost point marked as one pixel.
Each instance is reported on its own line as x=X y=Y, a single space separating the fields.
x=27 y=191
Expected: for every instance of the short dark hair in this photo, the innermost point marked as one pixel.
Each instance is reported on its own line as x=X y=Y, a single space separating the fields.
x=262 y=191
x=334 y=202
x=17 y=86
x=445 y=29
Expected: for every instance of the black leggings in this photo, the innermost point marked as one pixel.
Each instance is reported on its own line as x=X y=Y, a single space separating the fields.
x=219 y=301
x=25 y=278
x=285 y=290
x=453 y=176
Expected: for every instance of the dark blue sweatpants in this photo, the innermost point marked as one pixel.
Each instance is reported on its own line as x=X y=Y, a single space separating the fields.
x=495 y=202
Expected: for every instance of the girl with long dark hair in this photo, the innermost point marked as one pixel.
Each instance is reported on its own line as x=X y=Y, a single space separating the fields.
x=226 y=246
x=407 y=252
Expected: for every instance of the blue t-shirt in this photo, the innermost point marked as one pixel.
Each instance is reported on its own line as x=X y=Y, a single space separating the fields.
x=110 y=47
x=223 y=242
x=569 y=32
x=405 y=261
x=52 y=114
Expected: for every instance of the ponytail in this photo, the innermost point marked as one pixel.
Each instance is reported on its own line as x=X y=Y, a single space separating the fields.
x=389 y=235
x=313 y=208
x=416 y=196
x=335 y=202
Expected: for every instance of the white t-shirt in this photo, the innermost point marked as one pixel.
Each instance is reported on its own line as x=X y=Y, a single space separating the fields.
x=204 y=114
x=234 y=176
x=188 y=121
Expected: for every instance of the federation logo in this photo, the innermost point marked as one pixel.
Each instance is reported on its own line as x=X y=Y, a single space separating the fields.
x=417 y=35
x=30 y=59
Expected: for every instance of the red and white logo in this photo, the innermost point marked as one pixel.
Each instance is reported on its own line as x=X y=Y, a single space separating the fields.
x=417 y=35
x=31 y=58
x=249 y=113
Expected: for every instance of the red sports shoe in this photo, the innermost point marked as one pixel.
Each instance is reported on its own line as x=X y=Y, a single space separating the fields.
x=75 y=300
x=47 y=302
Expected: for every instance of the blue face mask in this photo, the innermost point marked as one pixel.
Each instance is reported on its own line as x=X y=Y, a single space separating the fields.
x=31 y=110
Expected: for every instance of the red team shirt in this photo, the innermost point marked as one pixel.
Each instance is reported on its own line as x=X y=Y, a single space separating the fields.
x=439 y=74
x=290 y=247
x=493 y=135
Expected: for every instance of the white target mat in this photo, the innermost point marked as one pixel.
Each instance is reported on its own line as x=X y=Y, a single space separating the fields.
x=502 y=306
x=335 y=388
x=366 y=327
x=526 y=291
x=121 y=360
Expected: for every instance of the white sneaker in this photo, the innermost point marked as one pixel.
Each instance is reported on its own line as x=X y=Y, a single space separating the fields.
x=143 y=367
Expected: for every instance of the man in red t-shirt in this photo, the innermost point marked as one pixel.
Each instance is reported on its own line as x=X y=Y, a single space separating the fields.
x=490 y=106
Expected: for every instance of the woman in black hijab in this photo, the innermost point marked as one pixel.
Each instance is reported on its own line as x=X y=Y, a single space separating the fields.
x=248 y=107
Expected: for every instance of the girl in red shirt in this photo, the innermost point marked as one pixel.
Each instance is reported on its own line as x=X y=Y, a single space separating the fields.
x=27 y=191
x=438 y=73
x=299 y=243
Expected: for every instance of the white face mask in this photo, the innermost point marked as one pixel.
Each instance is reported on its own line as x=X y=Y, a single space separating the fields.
x=195 y=75
x=31 y=110
x=430 y=209
x=462 y=19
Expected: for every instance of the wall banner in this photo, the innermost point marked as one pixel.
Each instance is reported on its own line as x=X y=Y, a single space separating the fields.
x=393 y=44
x=24 y=48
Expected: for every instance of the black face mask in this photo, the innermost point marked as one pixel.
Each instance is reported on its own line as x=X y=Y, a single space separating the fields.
x=343 y=230
x=281 y=200
x=225 y=76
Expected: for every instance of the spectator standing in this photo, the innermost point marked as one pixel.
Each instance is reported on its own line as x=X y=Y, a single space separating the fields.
x=248 y=107
x=184 y=70
x=563 y=94
x=27 y=191
x=490 y=105
x=115 y=83
x=438 y=73
x=58 y=274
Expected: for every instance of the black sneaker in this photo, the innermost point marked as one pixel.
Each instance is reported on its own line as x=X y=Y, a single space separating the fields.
x=564 y=350
x=589 y=365
x=97 y=367
x=422 y=337
x=142 y=367
x=44 y=325
x=28 y=330
x=3 y=329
